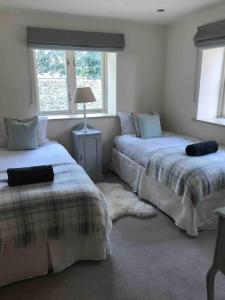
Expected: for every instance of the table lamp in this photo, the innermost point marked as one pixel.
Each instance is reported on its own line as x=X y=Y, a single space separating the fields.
x=84 y=95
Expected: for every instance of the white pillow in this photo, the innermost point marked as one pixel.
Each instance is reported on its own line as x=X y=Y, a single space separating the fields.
x=42 y=125
x=126 y=123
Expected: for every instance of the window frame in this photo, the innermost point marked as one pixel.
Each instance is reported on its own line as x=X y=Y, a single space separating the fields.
x=221 y=113
x=221 y=100
x=104 y=87
x=71 y=84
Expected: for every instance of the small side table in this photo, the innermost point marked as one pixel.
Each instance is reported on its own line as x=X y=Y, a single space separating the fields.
x=219 y=255
x=87 y=151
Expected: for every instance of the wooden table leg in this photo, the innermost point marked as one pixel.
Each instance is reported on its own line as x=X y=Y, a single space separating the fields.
x=210 y=282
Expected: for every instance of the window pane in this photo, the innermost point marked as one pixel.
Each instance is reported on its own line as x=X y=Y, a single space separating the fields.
x=52 y=80
x=89 y=73
x=210 y=85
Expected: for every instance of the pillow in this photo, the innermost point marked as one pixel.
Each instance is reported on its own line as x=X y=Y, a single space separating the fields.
x=3 y=134
x=42 y=127
x=10 y=120
x=135 y=120
x=22 y=136
x=149 y=125
x=126 y=123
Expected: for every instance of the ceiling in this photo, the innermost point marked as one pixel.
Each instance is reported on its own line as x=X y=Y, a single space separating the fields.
x=139 y=10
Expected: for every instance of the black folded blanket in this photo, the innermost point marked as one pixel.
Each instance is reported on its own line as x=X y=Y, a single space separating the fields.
x=203 y=148
x=22 y=176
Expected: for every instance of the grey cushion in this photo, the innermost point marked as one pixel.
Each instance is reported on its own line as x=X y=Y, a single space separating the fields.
x=135 y=119
x=126 y=123
x=22 y=136
x=3 y=134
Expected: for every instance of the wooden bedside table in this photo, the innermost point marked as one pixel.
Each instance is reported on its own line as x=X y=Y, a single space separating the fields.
x=87 y=151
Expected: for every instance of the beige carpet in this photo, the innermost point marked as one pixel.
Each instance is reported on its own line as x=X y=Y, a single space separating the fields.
x=122 y=202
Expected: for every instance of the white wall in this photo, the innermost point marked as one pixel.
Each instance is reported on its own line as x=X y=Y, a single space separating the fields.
x=140 y=68
x=178 y=106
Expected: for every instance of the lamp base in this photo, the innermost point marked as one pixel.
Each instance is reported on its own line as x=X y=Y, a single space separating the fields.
x=85 y=119
x=85 y=129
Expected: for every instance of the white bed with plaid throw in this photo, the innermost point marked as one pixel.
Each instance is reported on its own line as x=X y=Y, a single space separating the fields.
x=35 y=213
x=188 y=189
x=166 y=161
x=192 y=177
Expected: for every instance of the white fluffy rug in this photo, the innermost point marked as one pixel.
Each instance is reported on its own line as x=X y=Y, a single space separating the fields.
x=122 y=202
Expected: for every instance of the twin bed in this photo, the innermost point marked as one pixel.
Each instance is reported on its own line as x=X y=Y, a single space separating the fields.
x=188 y=189
x=49 y=226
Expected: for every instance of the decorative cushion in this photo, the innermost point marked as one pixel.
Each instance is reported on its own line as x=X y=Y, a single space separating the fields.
x=41 y=133
x=126 y=123
x=135 y=119
x=22 y=136
x=11 y=120
x=149 y=125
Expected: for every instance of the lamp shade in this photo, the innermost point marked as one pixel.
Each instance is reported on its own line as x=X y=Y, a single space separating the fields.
x=84 y=95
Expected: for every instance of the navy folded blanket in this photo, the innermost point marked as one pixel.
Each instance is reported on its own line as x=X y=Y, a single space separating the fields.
x=203 y=148
x=22 y=176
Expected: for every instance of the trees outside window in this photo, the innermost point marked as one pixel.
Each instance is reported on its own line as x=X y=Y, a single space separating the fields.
x=59 y=72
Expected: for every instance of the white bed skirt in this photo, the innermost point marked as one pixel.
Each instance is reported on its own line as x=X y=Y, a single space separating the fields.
x=128 y=170
x=56 y=255
x=186 y=216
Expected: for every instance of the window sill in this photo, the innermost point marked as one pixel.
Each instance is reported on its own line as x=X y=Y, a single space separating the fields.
x=213 y=121
x=80 y=116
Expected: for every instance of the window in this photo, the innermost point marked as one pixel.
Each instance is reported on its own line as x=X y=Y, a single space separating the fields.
x=222 y=112
x=89 y=71
x=51 y=70
x=59 y=72
x=211 y=84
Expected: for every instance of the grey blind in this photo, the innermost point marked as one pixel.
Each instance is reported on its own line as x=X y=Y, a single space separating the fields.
x=210 y=35
x=69 y=39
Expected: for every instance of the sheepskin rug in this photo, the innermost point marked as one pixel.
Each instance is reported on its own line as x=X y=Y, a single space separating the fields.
x=122 y=202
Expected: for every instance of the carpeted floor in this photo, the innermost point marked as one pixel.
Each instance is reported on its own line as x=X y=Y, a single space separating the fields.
x=152 y=260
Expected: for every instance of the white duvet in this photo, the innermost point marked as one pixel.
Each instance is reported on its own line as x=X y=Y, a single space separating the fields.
x=51 y=153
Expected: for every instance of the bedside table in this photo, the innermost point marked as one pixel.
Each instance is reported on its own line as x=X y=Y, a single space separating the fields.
x=87 y=151
x=219 y=254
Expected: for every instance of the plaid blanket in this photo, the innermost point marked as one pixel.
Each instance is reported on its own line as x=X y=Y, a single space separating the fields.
x=38 y=212
x=195 y=177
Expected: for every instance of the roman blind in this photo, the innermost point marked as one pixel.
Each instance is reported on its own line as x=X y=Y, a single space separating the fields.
x=68 y=39
x=210 y=35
